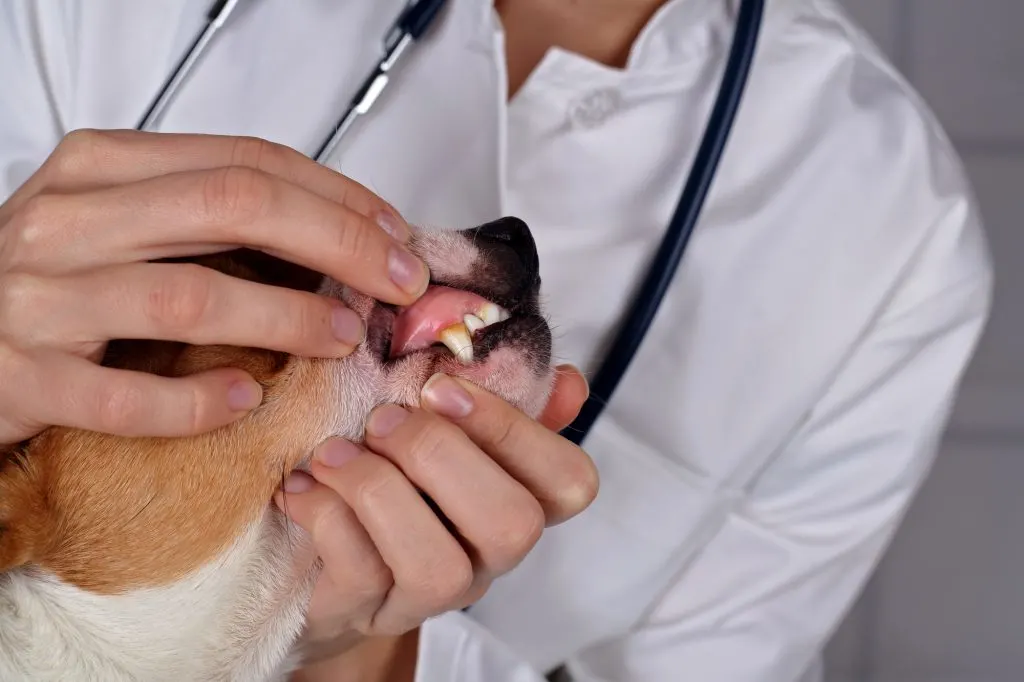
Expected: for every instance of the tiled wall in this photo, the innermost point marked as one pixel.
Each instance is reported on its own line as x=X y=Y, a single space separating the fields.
x=947 y=603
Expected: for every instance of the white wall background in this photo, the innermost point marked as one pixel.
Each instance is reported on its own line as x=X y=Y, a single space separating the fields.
x=947 y=603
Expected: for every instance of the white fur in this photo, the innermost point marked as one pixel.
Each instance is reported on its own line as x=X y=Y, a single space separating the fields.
x=234 y=620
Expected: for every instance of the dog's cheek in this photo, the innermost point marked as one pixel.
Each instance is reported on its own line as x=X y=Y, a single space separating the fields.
x=350 y=389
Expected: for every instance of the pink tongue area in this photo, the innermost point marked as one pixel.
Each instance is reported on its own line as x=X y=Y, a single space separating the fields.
x=417 y=326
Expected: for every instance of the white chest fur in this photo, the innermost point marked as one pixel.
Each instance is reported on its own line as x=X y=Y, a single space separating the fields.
x=234 y=620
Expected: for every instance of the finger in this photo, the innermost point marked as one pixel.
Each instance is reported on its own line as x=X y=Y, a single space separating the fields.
x=90 y=159
x=356 y=576
x=180 y=302
x=66 y=390
x=430 y=568
x=206 y=211
x=567 y=397
x=557 y=472
x=495 y=515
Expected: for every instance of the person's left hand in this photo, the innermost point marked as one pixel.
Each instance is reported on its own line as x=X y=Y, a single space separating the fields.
x=390 y=562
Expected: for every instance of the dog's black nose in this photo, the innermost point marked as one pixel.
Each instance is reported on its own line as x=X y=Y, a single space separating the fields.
x=509 y=233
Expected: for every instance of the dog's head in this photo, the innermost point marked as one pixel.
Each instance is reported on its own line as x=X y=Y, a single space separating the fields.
x=111 y=515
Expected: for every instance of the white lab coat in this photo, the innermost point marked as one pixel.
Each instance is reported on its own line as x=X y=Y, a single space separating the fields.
x=785 y=406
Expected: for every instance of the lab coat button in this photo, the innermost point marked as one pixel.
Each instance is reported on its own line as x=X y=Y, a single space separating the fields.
x=594 y=108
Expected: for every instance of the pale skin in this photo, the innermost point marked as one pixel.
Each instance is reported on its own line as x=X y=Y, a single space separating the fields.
x=76 y=245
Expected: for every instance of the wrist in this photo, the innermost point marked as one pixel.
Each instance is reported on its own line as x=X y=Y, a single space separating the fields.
x=359 y=658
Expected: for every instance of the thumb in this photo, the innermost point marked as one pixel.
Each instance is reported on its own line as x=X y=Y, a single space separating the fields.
x=567 y=397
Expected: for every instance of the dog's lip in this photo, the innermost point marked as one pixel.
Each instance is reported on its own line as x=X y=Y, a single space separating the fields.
x=380 y=324
x=450 y=315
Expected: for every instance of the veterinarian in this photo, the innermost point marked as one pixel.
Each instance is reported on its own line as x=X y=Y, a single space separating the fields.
x=762 y=448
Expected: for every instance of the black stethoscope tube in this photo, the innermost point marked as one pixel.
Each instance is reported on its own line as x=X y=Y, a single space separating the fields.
x=666 y=261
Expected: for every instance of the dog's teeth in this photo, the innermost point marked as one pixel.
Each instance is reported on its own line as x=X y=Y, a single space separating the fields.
x=458 y=341
x=473 y=323
x=492 y=313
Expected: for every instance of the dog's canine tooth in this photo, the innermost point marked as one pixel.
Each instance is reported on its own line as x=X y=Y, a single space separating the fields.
x=473 y=323
x=492 y=313
x=457 y=339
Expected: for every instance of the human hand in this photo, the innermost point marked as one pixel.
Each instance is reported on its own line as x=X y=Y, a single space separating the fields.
x=75 y=244
x=390 y=563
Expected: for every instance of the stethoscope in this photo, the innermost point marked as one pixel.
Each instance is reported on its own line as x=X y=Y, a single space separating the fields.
x=414 y=21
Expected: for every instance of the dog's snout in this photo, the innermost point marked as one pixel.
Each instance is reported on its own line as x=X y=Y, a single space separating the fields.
x=509 y=233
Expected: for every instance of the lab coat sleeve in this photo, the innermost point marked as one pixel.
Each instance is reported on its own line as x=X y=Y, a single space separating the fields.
x=33 y=77
x=455 y=648
x=759 y=603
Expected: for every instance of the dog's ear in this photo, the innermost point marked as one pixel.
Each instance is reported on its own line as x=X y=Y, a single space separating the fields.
x=23 y=510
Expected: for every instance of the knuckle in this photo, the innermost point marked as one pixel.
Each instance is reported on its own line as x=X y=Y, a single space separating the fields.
x=119 y=406
x=180 y=302
x=327 y=518
x=235 y=195
x=355 y=238
x=588 y=482
x=197 y=408
x=22 y=298
x=580 y=489
x=11 y=360
x=518 y=535
x=505 y=434
x=78 y=151
x=376 y=581
x=254 y=152
x=481 y=585
x=378 y=485
x=304 y=318
x=439 y=587
x=29 y=227
x=367 y=577
x=429 y=443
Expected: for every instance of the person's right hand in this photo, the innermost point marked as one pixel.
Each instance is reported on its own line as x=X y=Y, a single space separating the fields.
x=75 y=244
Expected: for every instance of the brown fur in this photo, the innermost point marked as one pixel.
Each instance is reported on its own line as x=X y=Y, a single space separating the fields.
x=146 y=529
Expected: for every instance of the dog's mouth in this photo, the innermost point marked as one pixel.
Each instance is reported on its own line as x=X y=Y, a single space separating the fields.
x=465 y=315
x=443 y=320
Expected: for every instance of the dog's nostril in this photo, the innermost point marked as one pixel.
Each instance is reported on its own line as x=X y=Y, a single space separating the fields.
x=507 y=229
x=512 y=233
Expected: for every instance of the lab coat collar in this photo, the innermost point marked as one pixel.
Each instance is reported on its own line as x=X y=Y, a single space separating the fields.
x=680 y=31
x=670 y=53
x=684 y=31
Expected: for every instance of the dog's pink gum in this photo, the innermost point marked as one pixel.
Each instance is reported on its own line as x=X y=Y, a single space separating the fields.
x=418 y=325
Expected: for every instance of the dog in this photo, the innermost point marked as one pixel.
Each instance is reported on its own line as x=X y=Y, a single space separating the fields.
x=151 y=559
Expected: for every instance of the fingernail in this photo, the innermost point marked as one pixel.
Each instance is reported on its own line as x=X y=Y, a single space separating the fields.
x=336 y=452
x=386 y=419
x=347 y=326
x=298 y=482
x=407 y=271
x=389 y=221
x=445 y=396
x=244 y=395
